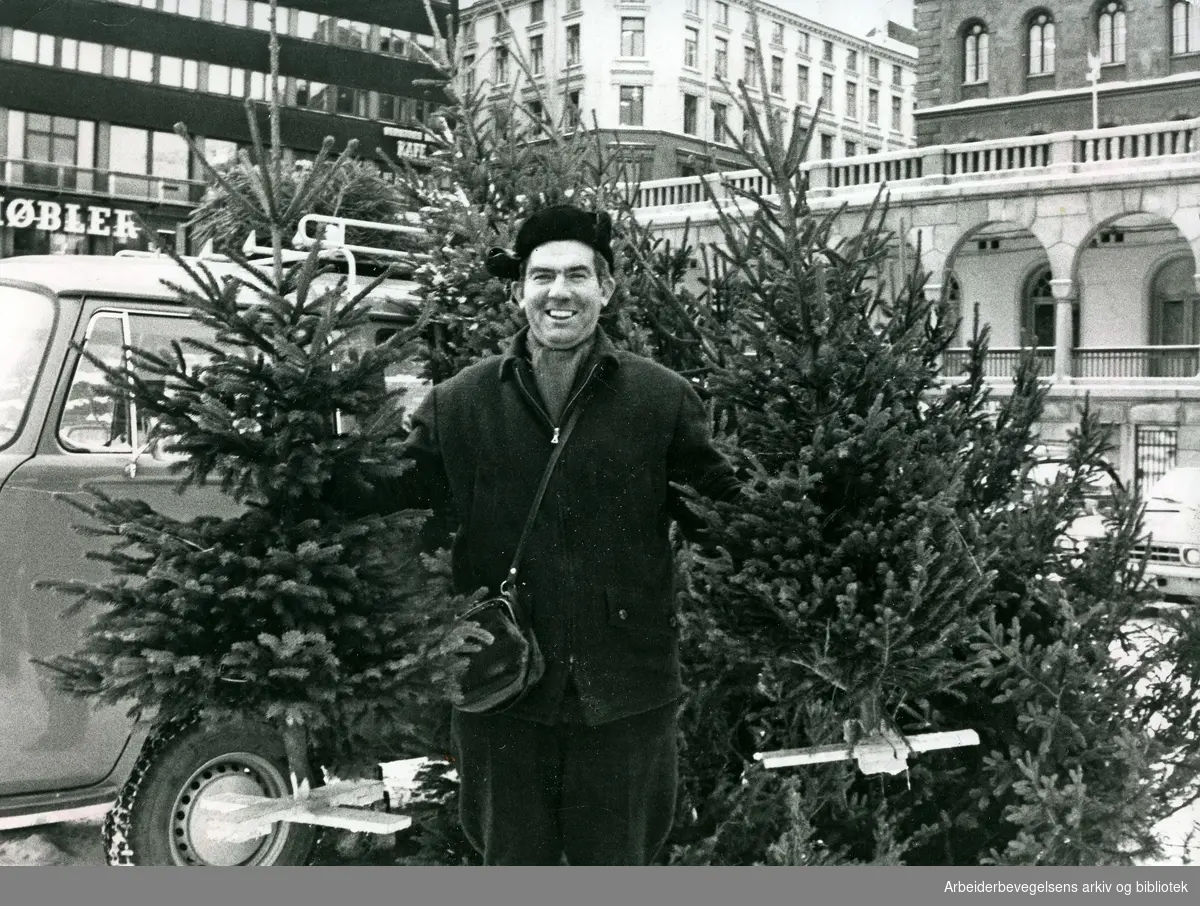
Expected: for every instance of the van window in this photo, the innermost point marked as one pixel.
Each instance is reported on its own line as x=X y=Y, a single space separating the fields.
x=28 y=320
x=100 y=417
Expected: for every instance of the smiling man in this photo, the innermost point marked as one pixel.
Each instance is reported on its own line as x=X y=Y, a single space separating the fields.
x=585 y=764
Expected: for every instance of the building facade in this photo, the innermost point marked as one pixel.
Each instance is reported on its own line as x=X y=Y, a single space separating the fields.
x=90 y=91
x=660 y=77
x=995 y=70
x=1083 y=243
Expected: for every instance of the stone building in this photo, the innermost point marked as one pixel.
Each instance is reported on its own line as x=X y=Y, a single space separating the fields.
x=1081 y=242
x=660 y=77
x=90 y=91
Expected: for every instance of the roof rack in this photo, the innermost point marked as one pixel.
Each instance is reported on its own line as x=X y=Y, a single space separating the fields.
x=331 y=242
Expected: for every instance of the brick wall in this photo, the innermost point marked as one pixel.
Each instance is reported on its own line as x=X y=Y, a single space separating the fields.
x=940 y=25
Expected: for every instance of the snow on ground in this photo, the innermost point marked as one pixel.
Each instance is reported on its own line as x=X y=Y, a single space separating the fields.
x=79 y=842
x=71 y=843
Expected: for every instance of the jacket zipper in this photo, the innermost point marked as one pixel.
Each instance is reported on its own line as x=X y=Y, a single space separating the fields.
x=566 y=410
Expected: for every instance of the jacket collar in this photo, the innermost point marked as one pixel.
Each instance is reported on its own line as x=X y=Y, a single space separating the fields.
x=602 y=352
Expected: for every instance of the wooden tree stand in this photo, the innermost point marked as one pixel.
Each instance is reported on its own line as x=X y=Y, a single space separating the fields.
x=344 y=804
x=883 y=752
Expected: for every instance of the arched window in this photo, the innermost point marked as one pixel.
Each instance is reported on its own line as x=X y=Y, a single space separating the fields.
x=975 y=54
x=1041 y=44
x=1185 y=27
x=1038 y=318
x=1110 y=31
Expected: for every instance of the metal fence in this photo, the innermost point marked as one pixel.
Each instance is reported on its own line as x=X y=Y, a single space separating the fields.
x=1155 y=451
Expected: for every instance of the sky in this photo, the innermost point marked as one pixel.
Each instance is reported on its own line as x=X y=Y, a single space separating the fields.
x=857 y=17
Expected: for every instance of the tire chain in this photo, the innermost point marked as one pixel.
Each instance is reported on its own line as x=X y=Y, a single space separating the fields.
x=116 y=822
x=117 y=850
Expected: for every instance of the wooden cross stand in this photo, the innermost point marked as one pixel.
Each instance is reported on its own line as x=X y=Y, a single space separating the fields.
x=883 y=752
x=342 y=804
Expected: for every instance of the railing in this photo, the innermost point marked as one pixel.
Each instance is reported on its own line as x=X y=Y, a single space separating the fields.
x=1000 y=363
x=1095 y=363
x=1137 y=361
x=1063 y=152
x=1156 y=140
x=38 y=174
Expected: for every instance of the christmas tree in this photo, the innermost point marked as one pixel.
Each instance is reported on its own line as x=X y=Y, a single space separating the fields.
x=285 y=607
x=890 y=571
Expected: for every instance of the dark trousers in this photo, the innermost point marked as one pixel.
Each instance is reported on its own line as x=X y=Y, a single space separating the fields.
x=530 y=793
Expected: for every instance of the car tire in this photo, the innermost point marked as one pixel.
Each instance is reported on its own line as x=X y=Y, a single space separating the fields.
x=155 y=821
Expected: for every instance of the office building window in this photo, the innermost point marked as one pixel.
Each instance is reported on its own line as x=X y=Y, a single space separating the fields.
x=873 y=106
x=803 y=48
x=501 y=65
x=897 y=115
x=1041 y=44
x=1110 y=28
x=851 y=149
x=218 y=79
x=536 y=112
x=91 y=57
x=720 y=114
x=30 y=47
x=350 y=101
x=260 y=17
x=133 y=64
x=852 y=61
x=178 y=73
x=750 y=70
x=802 y=84
x=308 y=94
x=852 y=100
x=574 y=110
x=975 y=54
x=721 y=59
x=574 y=6
x=632 y=105
x=826 y=146
x=573 y=47
x=469 y=74
x=827 y=90
x=231 y=12
x=776 y=75
x=691 y=47
x=537 y=54
x=537 y=11
x=51 y=140
x=873 y=67
x=897 y=75
x=633 y=37
x=691 y=114
x=827 y=51
x=693 y=7
x=777 y=33
x=468 y=32
x=722 y=13
x=1185 y=27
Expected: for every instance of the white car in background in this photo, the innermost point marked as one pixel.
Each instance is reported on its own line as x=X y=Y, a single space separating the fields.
x=1172 y=526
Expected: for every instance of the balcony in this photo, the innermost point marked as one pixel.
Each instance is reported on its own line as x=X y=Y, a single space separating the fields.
x=107 y=183
x=1024 y=157
x=1095 y=366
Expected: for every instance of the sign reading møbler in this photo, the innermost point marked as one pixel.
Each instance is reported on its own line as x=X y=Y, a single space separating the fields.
x=80 y=219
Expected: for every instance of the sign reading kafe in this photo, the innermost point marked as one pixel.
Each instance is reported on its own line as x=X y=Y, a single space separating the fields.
x=80 y=219
x=409 y=142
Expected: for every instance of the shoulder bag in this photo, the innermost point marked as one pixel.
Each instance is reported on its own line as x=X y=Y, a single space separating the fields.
x=499 y=675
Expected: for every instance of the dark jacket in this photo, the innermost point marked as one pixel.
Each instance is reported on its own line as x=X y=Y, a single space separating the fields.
x=598 y=572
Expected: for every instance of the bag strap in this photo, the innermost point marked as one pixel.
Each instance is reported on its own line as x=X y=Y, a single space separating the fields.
x=541 y=492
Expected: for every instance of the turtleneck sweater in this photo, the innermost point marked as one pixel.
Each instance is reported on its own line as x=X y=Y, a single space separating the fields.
x=555 y=371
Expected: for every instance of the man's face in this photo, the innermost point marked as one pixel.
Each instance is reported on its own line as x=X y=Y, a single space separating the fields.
x=561 y=294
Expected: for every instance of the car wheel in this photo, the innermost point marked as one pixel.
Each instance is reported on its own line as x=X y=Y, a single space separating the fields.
x=155 y=820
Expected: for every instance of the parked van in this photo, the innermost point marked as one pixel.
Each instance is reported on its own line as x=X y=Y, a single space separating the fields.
x=60 y=757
